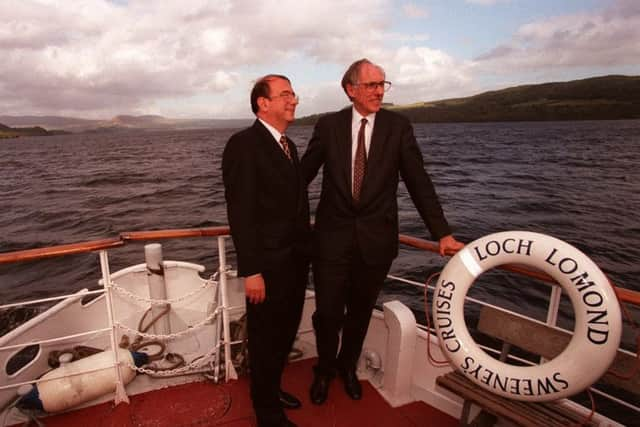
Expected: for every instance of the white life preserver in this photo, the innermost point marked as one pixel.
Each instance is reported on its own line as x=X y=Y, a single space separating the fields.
x=598 y=322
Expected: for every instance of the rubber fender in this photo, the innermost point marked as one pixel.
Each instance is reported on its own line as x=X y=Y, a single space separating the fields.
x=80 y=381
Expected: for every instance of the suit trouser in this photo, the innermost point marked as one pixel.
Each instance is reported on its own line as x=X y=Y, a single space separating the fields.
x=272 y=326
x=350 y=284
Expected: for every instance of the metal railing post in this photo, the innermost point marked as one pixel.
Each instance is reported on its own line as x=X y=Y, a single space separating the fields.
x=229 y=371
x=120 y=393
x=554 y=305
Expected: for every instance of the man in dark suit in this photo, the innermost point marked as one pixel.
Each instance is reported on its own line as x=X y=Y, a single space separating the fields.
x=268 y=212
x=364 y=149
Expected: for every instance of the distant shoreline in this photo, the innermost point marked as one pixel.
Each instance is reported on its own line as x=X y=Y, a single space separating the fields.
x=7 y=132
x=18 y=134
x=597 y=98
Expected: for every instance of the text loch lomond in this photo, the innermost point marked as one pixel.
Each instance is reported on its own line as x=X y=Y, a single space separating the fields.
x=597 y=327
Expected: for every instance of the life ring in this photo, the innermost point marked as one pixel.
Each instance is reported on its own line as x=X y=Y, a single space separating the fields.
x=598 y=323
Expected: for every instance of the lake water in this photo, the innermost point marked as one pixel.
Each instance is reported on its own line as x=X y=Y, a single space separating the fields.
x=577 y=181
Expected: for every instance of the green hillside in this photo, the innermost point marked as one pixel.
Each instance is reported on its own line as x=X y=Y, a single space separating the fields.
x=597 y=98
x=9 y=132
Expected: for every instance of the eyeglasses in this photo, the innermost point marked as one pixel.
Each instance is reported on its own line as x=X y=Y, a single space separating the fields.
x=287 y=96
x=372 y=86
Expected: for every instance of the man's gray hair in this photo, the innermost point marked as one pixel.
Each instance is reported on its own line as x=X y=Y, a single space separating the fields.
x=353 y=72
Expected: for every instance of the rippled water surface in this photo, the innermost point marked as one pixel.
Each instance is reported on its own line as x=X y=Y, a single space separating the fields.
x=578 y=181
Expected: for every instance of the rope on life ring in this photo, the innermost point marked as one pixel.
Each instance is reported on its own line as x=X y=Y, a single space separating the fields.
x=598 y=322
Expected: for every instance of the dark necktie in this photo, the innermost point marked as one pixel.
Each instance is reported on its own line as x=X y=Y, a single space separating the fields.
x=360 y=163
x=285 y=146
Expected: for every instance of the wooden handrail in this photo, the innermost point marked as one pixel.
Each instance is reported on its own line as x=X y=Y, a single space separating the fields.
x=60 y=250
x=418 y=243
x=175 y=233
x=625 y=295
x=433 y=247
x=96 y=245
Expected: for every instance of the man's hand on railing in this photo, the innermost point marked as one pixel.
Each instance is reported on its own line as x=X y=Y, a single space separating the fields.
x=448 y=245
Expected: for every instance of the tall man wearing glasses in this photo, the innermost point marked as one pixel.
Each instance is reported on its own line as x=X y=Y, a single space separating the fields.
x=268 y=212
x=363 y=150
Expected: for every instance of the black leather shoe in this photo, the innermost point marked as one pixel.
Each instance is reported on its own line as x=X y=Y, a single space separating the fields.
x=351 y=384
x=288 y=400
x=319 y=388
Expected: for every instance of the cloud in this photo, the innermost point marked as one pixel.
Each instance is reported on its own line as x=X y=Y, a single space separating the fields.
x=411 y=10
x=603 y=38
x=497 y=52
x=424 y=74
x=417 y=74
x=96 y=56
x=486 y=2
x=403 y=37
x=325 y=96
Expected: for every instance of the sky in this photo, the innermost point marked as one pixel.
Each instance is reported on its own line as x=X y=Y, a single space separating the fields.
x=199 y=59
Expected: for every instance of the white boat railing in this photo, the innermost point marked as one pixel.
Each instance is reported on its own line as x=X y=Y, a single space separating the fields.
x=112 y=326
x=224 y=344
x=120 y=394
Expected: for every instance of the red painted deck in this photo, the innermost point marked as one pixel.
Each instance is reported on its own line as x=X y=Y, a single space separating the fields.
x=207 y=404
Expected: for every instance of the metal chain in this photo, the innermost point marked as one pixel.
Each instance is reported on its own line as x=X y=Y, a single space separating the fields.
x=170 y=337
x=202 y=361
x=152 y=301
x=196 y=363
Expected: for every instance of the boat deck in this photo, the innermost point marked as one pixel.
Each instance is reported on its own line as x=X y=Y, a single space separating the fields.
x=207 y=404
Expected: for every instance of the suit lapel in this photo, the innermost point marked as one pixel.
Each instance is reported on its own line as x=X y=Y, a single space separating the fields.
x=343 y=138
x=274 y=153
x=301 y=185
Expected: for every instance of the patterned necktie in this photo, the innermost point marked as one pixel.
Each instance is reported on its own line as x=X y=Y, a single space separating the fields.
x=285 y=146
x=360 y=163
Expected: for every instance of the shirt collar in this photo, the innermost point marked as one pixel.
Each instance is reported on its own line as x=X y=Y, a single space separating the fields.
x=276 y=134
x=357 y=118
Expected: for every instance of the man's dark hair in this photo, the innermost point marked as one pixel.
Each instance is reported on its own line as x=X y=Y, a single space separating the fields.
x=261 y=89
x=353 y=72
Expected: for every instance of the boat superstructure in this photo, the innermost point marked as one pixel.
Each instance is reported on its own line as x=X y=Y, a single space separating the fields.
x=173 y=308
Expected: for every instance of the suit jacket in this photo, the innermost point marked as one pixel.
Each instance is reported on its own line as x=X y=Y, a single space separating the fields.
x=267 y=204
x=372 y=224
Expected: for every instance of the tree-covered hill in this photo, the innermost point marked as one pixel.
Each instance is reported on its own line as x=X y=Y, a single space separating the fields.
x=598 y=98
